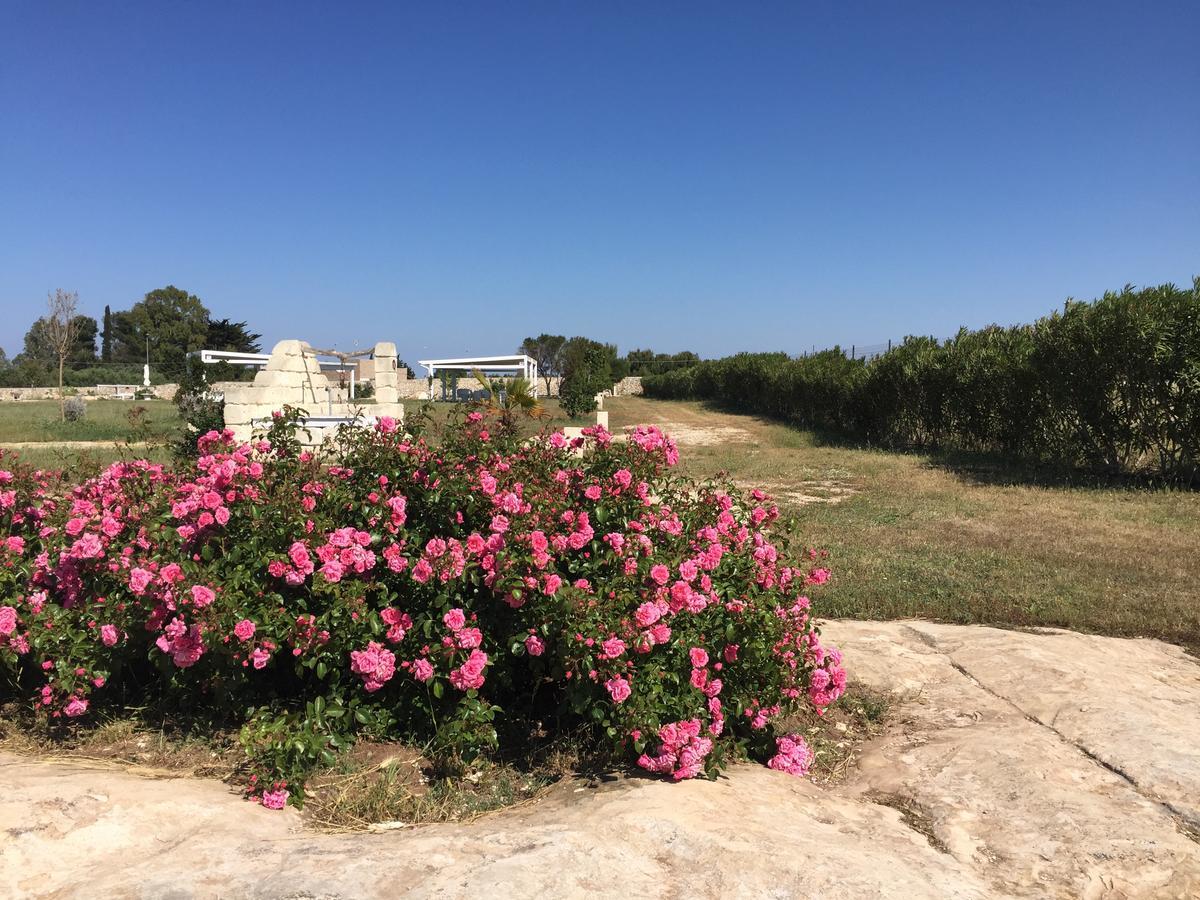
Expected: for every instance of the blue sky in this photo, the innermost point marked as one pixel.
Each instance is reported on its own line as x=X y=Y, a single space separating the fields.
x=715 y=177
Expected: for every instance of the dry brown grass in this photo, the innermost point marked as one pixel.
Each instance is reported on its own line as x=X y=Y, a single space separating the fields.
x=912 y=535
x=126 y=743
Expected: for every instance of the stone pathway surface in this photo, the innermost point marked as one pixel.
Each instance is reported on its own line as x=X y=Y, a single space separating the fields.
x=1017 y=765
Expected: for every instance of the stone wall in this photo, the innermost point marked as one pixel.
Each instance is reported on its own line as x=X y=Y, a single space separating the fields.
x=418 y=388
x=293 y=377
x=630 y=386
x=98 y=392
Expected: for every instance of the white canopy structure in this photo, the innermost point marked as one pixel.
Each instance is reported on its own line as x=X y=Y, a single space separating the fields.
x=518 y=364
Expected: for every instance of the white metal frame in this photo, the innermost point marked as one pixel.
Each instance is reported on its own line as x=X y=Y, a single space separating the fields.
x=525 y=366
x=260 y=360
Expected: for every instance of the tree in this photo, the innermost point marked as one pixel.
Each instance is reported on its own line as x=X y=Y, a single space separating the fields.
x=40 y=348
x=62 y=327
x=172 y=322
x=231 y=336
x=546 y=349
x=647 y=362
x=588 y=368
x=106 y=336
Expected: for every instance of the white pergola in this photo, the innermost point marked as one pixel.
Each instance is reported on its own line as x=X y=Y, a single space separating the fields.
x=260 y=360
x=519 y=364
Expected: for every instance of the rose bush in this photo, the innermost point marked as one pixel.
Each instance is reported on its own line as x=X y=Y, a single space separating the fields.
x=444 y=588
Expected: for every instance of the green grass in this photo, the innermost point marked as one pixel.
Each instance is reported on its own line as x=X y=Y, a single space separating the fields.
x=106 y=420
x=911 y=536
x=84 y=462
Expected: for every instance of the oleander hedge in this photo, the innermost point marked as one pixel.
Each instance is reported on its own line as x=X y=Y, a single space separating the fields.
x=1109 y=387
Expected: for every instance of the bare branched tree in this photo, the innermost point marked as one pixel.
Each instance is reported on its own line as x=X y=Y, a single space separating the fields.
x=62 y=331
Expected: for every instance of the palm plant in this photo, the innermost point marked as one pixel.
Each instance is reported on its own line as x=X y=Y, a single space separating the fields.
x=509 y=400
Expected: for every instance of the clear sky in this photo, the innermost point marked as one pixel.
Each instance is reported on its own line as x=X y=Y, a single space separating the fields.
x=714 y=177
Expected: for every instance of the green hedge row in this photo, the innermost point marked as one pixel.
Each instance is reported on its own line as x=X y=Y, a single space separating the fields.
x=1111 y=386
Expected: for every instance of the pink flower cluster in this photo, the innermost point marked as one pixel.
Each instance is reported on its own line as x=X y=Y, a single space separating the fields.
x=184 y=643
x=375 y=665
x=681 y=751
x=345 y=551
x=793 y=755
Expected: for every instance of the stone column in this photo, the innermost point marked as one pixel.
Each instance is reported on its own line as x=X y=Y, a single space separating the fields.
x=385 y=378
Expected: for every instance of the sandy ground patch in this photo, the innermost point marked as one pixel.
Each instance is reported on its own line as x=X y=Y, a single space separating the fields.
x=803 y=493
x=704 y=435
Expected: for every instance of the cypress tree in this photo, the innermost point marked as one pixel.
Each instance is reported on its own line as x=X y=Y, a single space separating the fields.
x=106 y=337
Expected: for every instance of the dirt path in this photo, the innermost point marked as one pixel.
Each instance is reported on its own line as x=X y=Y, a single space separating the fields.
x=1016 y=765
x=71 y=445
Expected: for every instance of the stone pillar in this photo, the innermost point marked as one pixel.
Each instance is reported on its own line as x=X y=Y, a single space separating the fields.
x=386 y=376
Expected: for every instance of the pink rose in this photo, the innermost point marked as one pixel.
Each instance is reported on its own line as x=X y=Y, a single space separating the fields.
x=422 y=571
x=244 y=630
x=422 y=670
x=618 y=689
x=276 y=799
x=171 y=574
x=613 y=647
x=76 y=707
x=139 y=580
x=647 y=614
x=202 y=596
x=108 y=635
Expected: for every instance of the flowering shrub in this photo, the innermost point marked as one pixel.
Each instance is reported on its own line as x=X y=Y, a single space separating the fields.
x=418 y=586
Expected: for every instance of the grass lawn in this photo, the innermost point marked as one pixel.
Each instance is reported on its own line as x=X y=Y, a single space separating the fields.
x=909 y=535
x=106 y=420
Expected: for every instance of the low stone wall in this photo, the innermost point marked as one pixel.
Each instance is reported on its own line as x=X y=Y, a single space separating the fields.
x=415 y=388
x=98 y=392
x=468 y=388
x=630 y=386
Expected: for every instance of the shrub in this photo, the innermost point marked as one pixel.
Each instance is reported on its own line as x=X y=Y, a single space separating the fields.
x=452 y=593
x=589 y=368
x=1109 y=387
x=200 y=410
x=75 y=409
